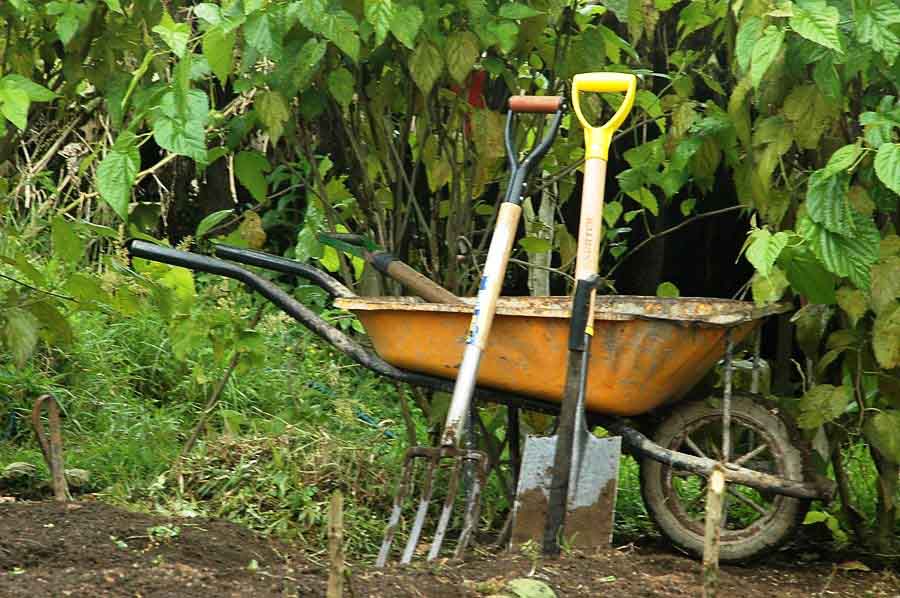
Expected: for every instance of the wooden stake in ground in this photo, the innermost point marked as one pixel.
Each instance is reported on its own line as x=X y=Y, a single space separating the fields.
x=714 y=498
x=336 y=546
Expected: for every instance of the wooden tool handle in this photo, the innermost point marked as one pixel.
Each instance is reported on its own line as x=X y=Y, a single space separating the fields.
x=541 y=104
x=421 y=285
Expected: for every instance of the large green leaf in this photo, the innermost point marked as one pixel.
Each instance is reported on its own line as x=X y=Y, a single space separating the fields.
x=175 y=35
x=425 y=66
x=380 y=14
x=67 y=245
x=462 y=52
x=886 y=337
x=261 y=34
x=885 y=283
x=746 y=39
x=874 y=22
x=842 y=159
x=117 y=173
x=769 y=289
x=218 y=48
x=36 y=92
x=14 y=104
x=887 y=166
x=810 y=113
x=764 y=53
x=883 y=430
x=765 y=248
x=807 y=275
x=818 y=22
x=273 y=111
x=822 y=404
x=250 y=168
x=515 y=10
x=21 y=332
x=850 y=256
x=827 y=203
x=340 y=84
x=406 y=24
x=854 y=302
x=180 y=127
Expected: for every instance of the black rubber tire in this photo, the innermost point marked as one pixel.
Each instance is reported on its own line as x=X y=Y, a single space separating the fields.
x=763 y=535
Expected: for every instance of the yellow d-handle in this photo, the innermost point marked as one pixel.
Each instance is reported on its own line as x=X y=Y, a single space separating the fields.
x=598 y=139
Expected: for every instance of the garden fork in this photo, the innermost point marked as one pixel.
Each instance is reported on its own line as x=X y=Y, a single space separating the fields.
x=476 y=340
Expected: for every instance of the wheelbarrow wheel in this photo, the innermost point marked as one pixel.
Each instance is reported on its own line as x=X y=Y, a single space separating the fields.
x=754 y=521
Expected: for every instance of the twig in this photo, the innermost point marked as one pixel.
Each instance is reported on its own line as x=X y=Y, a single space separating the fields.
x=690 y=220
x=540 y=267
x=28 y=286
x=714 y=497
x=145 y=173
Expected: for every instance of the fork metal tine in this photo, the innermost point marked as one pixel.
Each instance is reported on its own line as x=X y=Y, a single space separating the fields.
x=446 y=512
x=397 y=510
x=421 y=513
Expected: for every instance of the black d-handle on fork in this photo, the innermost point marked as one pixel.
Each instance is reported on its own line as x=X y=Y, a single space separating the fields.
x=519 y=171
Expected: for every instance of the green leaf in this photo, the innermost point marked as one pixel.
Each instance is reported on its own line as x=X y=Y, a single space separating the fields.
x=180 y=127
x=822 y=404
x=66 y=244
x=611 y=213
x=745 y=41
x=807 y=275
x=818 y=22
x=54 y=327
x=851 y=256
x=535 y=245
x=250 y=166
x=175 y=35
x=874 y=19
x=769 y=289
x=211 y=13
x=70 y=17
x=462 y=52
x=36 y=92
x=117 y=173
x=667 y=289
x=887 y=166
x=886 y=337
x=406 y=24
x=261 y=34
x=514 y=10
x=764 y=53
x=307 y=62
x=810 y=113
x=14 y=104
x=115 y=6
x=380 y=14
x=764 y=249
x=218 y=48
x=885 y=283
x=827 y=203
x=339 y=27
x=883 y=431
x=530 y=588
x=273 y=111
x=827 y=79
x=21 y=334
x=842 y=159
x=506 y=33
x=854 y=302
x=646 y=198
x=425 y=66
x=212 y=221
x=340 y=84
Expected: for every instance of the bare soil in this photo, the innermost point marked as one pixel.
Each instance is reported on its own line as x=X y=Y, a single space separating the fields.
x=94 y=549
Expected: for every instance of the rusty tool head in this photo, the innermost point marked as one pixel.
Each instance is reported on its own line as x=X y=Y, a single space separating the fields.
x=435 y=459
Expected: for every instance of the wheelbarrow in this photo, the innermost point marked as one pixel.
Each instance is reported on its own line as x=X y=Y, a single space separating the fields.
x=649 y=353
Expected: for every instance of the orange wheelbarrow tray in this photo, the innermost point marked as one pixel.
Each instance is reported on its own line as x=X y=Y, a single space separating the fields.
x=646 y=351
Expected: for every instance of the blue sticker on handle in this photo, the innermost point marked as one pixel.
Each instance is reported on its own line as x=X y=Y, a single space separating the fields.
x=483 y=284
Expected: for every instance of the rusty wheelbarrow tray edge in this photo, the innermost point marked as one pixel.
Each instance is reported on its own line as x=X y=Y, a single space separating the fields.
x=636 y=441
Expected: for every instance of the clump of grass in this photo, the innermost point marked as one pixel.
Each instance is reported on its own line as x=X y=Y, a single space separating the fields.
x=279 y=483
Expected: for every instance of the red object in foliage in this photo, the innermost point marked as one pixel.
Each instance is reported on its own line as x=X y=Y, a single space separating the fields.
x=474 y=94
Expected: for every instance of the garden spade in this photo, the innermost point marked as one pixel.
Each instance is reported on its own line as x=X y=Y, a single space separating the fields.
x=450 y=455
x=568 y=482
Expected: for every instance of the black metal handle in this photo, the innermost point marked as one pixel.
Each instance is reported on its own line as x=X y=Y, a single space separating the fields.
x=581 y=309
x=519 y=171
x=277 y=263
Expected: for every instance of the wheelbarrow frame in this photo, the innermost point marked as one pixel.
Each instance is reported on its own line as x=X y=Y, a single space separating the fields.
x=634 y=441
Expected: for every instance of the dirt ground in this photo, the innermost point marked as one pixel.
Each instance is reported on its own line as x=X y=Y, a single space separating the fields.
x=93 y=549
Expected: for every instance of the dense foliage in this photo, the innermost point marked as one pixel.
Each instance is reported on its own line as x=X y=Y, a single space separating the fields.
x=274 y=120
